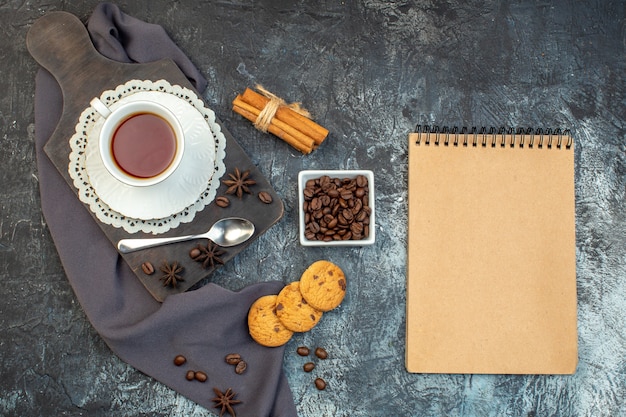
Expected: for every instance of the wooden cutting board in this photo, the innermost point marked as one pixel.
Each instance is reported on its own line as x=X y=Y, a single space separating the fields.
x=60 y=43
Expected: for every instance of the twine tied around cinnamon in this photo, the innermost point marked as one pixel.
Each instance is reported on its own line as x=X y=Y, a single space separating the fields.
x=264 y=119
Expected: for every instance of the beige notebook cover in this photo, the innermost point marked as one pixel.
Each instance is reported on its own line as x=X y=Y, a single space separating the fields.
x=491 y=279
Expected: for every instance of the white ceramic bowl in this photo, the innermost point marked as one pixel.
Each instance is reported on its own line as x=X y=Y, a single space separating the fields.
x=305 y=176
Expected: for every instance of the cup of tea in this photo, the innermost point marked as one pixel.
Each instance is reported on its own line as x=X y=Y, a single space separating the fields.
x=141 y=142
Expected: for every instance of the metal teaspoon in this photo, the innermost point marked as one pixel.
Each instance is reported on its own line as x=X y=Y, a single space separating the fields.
x=230 y=231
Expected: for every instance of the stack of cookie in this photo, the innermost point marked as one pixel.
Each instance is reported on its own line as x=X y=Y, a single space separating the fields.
x=273 y=319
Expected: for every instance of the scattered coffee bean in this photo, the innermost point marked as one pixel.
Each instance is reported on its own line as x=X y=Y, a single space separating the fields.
x=308 y=367
x=201 y=376
x=190 y=375
x=233 y=358
x=241 y=367
x=265 y=197
x=179 y=360
x=303 y=351
x=336 y=209
x=147 y=268
x=194 y=253
x=222 y=202
x=321 y=353
x=320 y=384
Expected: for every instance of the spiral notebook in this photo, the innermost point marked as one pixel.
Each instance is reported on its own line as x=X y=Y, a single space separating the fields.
x=491 y=274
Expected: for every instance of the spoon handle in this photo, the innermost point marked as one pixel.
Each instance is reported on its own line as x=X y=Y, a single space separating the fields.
x=131 y=245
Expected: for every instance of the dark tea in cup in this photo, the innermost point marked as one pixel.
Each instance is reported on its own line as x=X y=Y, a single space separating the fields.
x=141 y=142
x=144 y=145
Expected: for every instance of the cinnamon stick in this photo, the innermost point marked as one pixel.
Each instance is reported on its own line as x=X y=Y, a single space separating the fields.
x=277 y=128
x=305 y=125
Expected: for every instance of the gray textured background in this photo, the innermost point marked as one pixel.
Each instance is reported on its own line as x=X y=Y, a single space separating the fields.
x=368 y=71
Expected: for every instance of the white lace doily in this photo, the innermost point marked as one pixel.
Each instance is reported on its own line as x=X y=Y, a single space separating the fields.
x=87 y=128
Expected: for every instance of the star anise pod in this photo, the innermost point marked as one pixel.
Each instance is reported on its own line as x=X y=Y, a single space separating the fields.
x=239 y=183
x=209 y=255
x=225 y=400
x=171 y=274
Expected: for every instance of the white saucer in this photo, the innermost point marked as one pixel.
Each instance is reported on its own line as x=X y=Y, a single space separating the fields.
x=175 y=193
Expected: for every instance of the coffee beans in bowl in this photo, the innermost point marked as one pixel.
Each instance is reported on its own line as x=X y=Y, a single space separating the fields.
x=336 y=208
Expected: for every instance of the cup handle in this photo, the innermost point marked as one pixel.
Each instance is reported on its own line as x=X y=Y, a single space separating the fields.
x=100 y=107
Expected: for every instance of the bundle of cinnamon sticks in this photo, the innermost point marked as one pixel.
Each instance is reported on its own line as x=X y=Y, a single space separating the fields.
x=294 y=128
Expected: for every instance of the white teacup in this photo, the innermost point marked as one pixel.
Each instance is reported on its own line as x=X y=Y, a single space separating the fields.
x=141 y=142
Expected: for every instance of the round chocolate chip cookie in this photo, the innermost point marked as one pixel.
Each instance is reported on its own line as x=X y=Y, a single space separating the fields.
x=294 y=311
x=323 y=285
x=263 y=323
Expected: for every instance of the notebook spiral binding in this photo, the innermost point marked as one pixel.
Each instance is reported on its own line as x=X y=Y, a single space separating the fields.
x=493 y=137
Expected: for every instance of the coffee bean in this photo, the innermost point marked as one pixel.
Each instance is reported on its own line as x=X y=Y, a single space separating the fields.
x=233 y=358
x=361 y=216
x=222 y=201
x=201 y=376
x=346 y=195
x=356 y=228
x=316 y=204
x=320 y=384
x=303 y=351
x=308 y=367
x=314 y=227
x=332 y=224
x=190 y=375
x=241 y=367
x=179 y=360
x=194 y=253
x=265 y=197
x=321 y=353
x=147 y=268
